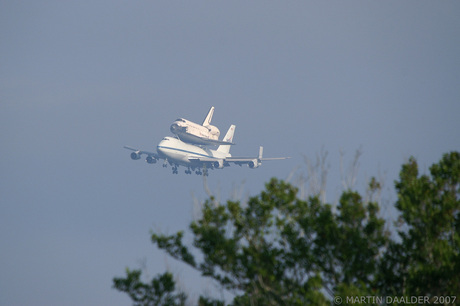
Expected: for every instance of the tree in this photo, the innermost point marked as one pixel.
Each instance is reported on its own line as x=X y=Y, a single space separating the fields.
x=278 y=249
x=426 y=260
x=159 y=292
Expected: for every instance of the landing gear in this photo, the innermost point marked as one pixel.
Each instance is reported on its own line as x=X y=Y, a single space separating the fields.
x=188 y=171
x=174 y=169
x=204 y=173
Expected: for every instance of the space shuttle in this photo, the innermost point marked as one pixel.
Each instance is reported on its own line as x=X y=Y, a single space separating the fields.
x=194 y=133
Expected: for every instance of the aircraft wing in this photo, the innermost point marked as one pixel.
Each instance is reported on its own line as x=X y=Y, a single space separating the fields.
x=252 y=162
x=151 y=156
x=204 y=159
x=245 y=160
x=142 y=152
x=248 y=159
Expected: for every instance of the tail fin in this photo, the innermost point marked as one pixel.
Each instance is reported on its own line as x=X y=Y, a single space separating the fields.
x=228 y=138
x=207 y=120
x=261 y=152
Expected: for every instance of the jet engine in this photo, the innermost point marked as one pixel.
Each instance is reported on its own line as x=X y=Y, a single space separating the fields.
x=254 y=164
x=219 y=164
x=135 y=155
x=151 y=160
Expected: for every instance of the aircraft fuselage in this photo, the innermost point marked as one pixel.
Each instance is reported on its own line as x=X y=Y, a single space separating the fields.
x=181 y=153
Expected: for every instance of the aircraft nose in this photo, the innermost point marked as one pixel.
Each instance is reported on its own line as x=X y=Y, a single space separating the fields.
x=160 y=147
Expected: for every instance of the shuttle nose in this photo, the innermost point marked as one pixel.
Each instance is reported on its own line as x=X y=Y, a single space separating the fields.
x=175 y=128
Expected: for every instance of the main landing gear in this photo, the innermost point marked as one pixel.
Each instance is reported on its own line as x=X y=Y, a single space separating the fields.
x=197 y=171
x=204 y=173
x=189 y=170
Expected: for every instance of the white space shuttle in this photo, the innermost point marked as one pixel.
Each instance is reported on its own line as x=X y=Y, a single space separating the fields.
x=193 y=133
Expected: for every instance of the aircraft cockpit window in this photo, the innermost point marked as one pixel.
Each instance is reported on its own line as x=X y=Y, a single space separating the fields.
x=180 y=120
x=165 y=138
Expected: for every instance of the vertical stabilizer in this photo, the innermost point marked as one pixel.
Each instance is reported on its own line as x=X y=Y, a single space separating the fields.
x=228 y=138
x=261 y=152
x=207 y=120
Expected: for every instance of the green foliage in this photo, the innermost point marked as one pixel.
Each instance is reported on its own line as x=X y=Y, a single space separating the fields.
x=278 y=249
x=173 y=245
x=427 y=259
x=209 y=302
x=159 y=292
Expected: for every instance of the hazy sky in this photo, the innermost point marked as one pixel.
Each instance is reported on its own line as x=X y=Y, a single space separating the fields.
x=80 y=79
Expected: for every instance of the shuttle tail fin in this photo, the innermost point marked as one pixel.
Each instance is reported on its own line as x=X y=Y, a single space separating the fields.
x=228 y=138
x=207 y=120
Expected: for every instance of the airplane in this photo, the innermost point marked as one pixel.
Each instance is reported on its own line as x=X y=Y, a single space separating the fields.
x=195 y=158
x=204 y=134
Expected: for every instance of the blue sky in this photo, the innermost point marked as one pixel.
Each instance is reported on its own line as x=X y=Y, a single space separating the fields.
x=81 y=79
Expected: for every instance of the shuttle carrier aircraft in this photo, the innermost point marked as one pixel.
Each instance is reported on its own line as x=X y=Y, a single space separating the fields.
x=196 y=158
